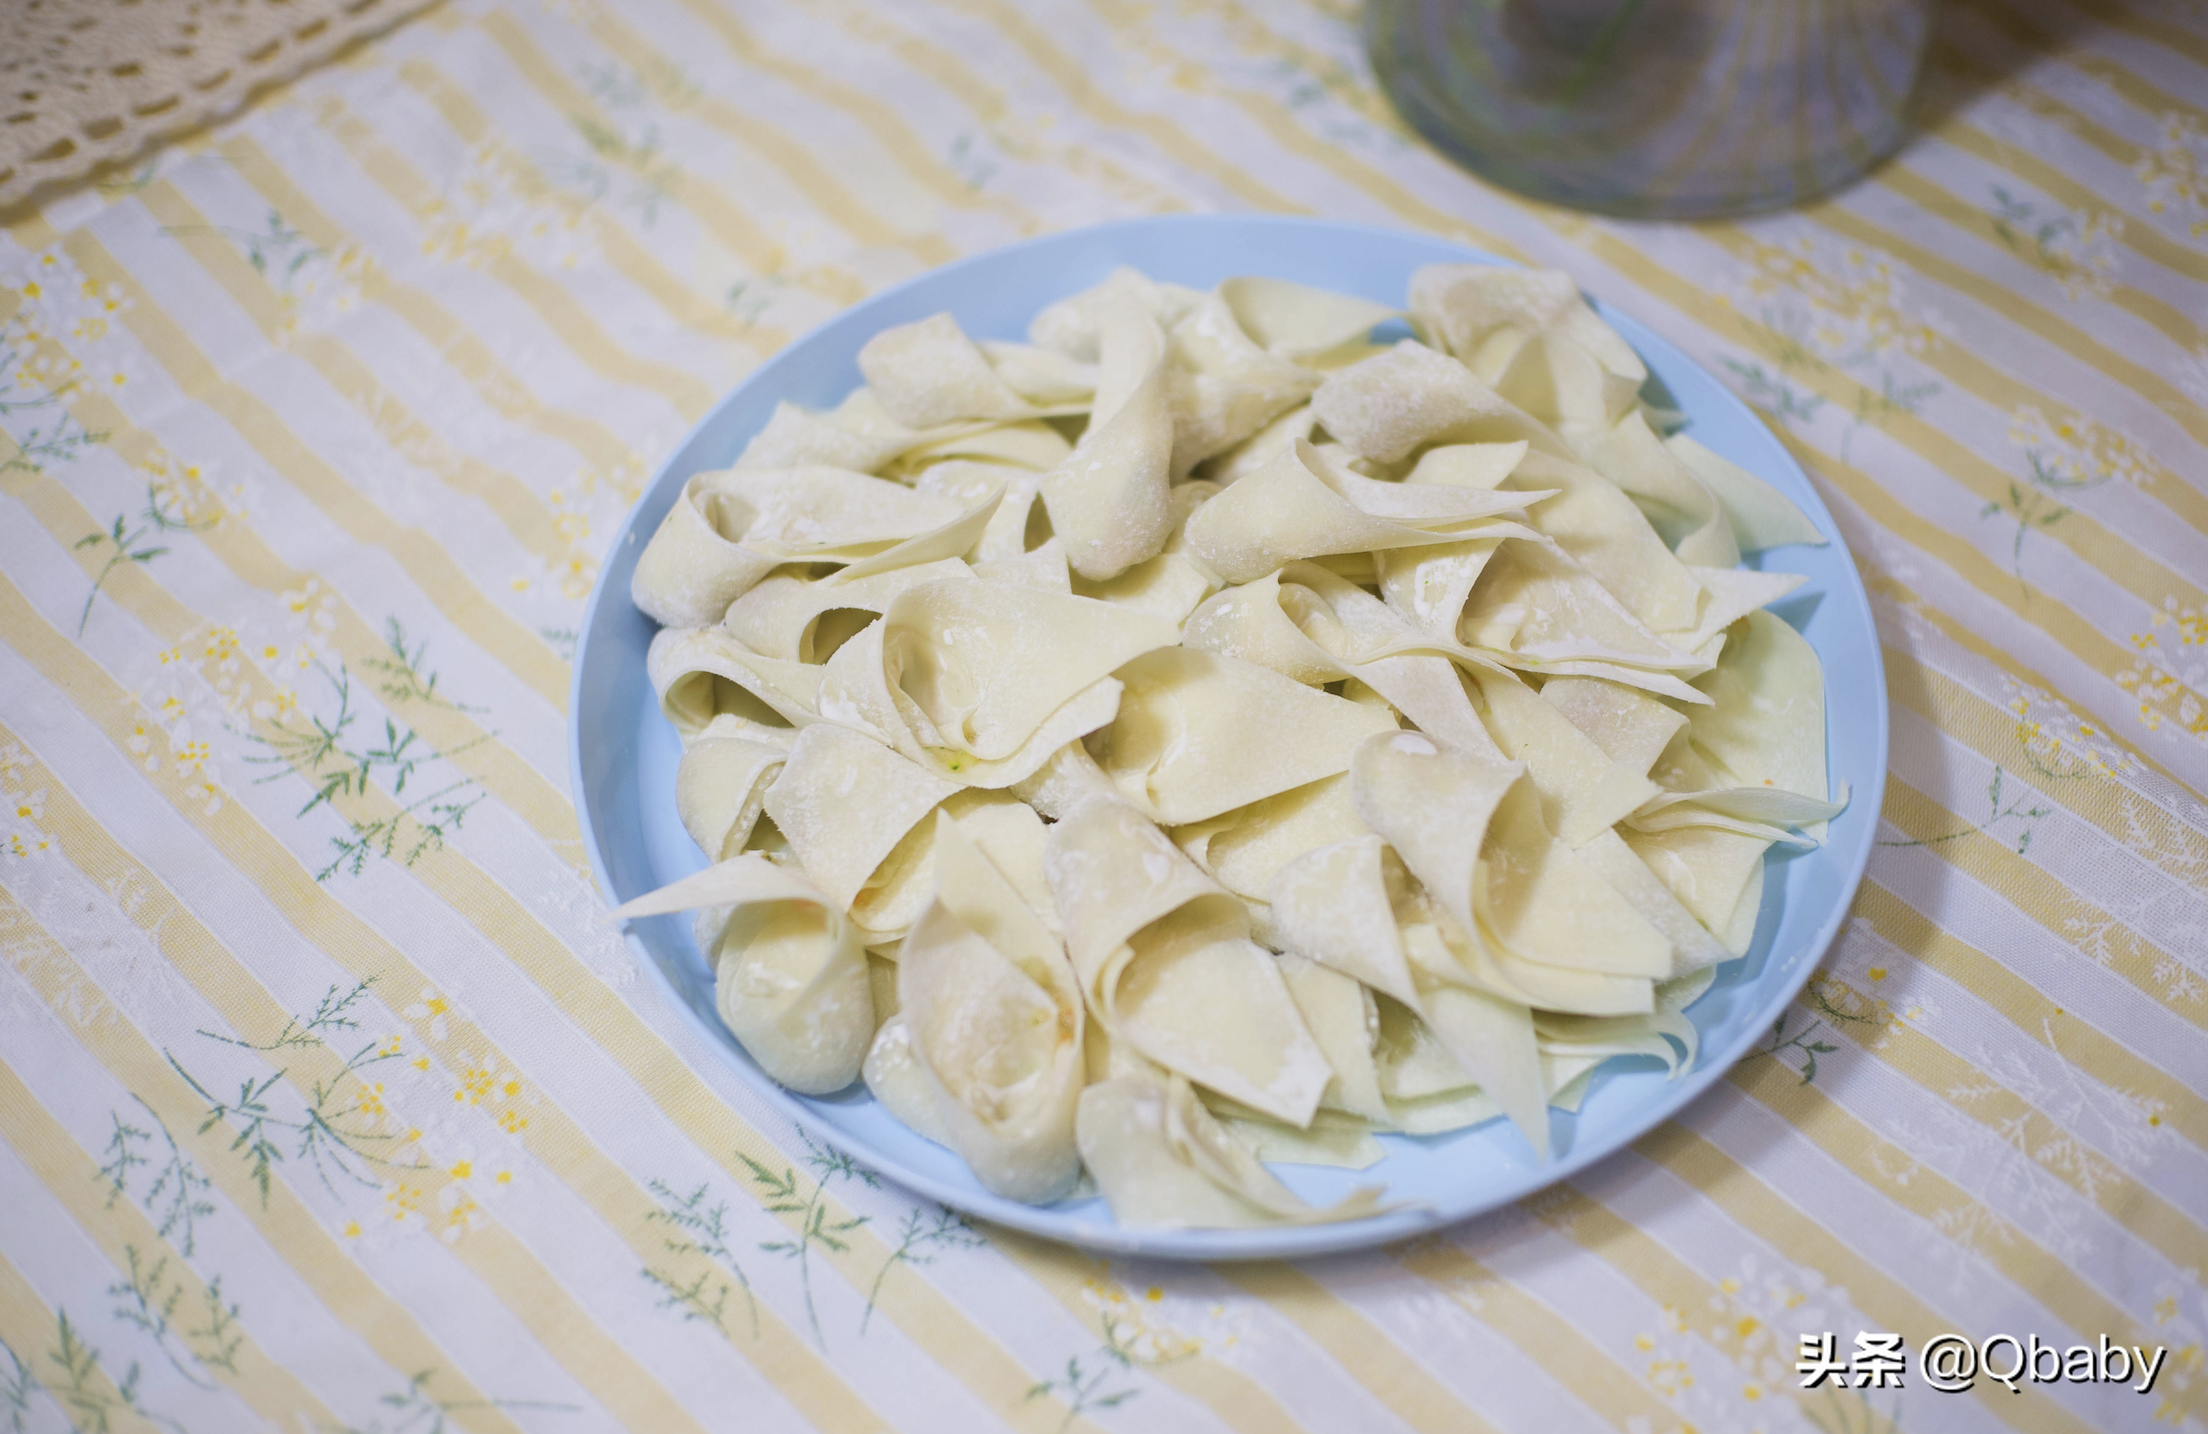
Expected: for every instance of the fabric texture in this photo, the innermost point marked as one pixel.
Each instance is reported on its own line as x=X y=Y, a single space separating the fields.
x=93 y=81
x=330 y=1097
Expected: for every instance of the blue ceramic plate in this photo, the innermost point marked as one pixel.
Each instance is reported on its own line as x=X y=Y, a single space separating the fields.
x=624 y=754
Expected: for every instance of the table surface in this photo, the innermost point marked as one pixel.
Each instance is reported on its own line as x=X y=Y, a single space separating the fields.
x=329 y=1096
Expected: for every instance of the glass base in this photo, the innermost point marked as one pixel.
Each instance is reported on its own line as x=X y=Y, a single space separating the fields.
x=1655 y=109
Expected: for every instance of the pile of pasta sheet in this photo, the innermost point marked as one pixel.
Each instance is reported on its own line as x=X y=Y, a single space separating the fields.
x=1202 y=735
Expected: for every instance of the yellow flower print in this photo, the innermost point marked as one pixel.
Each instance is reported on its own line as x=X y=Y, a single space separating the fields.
x=512 y=1121
x=461 y=1213
x=432 y=1008
x=2175 y=171
x=1139 y=1330
x=402 y=1200
x=485 y=1084
x=279 y=708
x=140 y=741
x=2169 y=673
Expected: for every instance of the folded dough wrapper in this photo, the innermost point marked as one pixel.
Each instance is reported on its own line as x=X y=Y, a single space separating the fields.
x=1167 y=966
x=790 y=977
x=995 y=1019
x=1163 y=1162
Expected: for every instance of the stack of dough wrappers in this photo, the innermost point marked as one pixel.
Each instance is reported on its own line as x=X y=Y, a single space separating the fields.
x=1203 y=735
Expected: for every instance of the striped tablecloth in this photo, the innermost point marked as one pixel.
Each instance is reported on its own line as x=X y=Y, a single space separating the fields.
x=329 y=1097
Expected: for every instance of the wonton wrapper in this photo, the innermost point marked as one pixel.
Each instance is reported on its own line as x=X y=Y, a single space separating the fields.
x=1167 y=966
x=1198 y=734
x=788 y=617
x=1302 y=505
x=1108 y=499
x=1483 y=314
x=1073 y=326
x=1311 y=625
x=994 y=1017
x=1388 y=406
x=1163 y=1162
x=929 y=373
x=727 y=530
x=1296 y=321
x=702 y=673
x=721 y=788
x=982 y=682
x=790 y=976
x=1759 y=515
x=1343 y=906
x=859 y=436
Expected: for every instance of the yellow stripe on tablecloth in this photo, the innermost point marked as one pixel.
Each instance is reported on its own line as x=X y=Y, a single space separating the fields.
x=2090 y=790
x=1544 y=1336
x=2149 y=98
x=1068 y=1275
x=285 y=1224
x=520 y=510
x=1975 y=375
x=2144 y=240
x=882 y=120
x=1774 y=1219
x=2034 y=1014
x=2068 y=916
x=1882 y=584
x=1362 y=1348
x=499 y=387
x=629 y=257
x=1893 y=1172
x=419 y=554
x=88 y=1395
x=926 y=1317
x=869 y=25
x=250 y=1011
x=1281 y=126
x=725 y=220
x=2175 y=324
x=500 y=770
x=2102 y=549
x=721 y=215
x=560 y=311
x=1073 y=77
x=2010 y=73
x=809 y=173
x=2080 y=638
x=2041 y=1138
x=120 y=1229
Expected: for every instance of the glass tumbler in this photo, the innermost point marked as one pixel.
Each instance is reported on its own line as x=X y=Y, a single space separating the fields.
x=1675 y=109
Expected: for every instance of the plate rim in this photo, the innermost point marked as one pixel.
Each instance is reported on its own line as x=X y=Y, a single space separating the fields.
x=1270 y=1242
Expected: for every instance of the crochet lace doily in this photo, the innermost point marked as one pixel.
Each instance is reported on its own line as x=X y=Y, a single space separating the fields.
x=84 y=82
